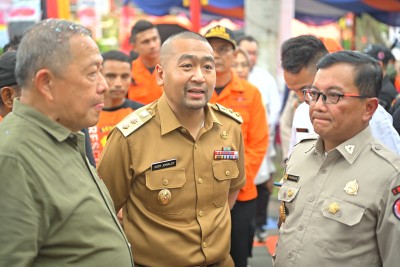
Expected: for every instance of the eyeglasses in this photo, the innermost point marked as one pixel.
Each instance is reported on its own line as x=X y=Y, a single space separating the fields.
x=312 y=95
x=222 y=50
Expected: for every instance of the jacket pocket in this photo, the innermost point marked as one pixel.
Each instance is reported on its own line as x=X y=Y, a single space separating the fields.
x=166 y=191
x=224 y=171
x=338 y=225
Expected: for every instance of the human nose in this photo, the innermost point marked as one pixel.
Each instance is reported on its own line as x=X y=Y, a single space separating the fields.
x=198 y=76
x=102 y=85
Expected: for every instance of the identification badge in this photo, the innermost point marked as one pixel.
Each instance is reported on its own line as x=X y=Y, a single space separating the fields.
x=291 y=177
x=163 y=164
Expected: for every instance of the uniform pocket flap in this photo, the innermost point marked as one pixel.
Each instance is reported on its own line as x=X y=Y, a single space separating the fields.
x=342 y=211
x=156 y=180
x=224 y=170
x=288 y=192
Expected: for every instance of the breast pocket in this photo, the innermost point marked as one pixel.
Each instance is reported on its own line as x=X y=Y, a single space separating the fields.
x=338 y=225
x=224 y=171
x=287 y=193
x=166 y=192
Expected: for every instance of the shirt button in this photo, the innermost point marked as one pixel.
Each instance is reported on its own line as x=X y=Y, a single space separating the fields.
x=290 y=255
x=300 y=227
x=311 y=198
x=377 y=147
x=196 y=146
x=165 y=182
x=71 y=136
x=323 y=171
x=227 y=173
x=129 y=245
x=183 y=130
x=200 y=180
x=201 y=213
x=204 y=244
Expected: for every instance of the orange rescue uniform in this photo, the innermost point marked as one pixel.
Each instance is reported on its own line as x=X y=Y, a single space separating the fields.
x=245 y=98
x=109 y=117
x=144 y=89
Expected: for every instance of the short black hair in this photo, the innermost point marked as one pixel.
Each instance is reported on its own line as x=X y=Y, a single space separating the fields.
x=248 y=38
x=301 y=51
x=140 y=26
x=13 y=44
x=367 y=72
x=116 y=55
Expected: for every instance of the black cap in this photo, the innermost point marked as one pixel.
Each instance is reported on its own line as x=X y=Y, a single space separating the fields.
x=7 y=68
x=380 y=53
x=221 y=33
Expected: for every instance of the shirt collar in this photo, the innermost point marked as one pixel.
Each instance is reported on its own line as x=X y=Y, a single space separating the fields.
x=59 y=132
x=169 y=122
x=351 y=148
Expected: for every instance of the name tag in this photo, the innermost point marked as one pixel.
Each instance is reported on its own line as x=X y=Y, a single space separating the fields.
x=163 y=164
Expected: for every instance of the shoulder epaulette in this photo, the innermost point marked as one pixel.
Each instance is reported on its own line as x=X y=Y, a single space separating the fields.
x=135 y=120
x=309 y=137
x=229 y=112
x=386 y=154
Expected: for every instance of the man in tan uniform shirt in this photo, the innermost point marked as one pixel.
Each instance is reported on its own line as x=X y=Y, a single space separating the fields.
x=175 y=166
x=341 y=192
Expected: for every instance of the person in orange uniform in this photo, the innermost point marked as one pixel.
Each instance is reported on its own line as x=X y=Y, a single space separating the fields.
x=244 y=98
x=117 y=72
x=145 y=41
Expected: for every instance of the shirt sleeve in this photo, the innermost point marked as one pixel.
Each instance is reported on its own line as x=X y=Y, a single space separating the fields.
x=383 y=130
x=21 y=215
x=388 y=226
x=115 y=168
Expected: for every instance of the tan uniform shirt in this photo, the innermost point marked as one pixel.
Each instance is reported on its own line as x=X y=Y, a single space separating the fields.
x=343 y=208
x=189 y=225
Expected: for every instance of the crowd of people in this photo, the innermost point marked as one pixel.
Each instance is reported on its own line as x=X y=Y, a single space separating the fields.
x=169 y=159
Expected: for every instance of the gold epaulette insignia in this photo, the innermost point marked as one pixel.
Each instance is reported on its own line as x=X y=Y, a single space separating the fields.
x=229 y=112
x=135 y=120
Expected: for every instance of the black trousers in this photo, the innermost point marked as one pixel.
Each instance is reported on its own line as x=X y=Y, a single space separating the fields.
x=243 y=216
x=262 y=205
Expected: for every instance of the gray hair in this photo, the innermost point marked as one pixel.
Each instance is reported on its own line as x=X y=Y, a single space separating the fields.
x=46 y=45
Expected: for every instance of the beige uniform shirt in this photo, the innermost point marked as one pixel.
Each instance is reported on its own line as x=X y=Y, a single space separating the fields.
x=173 y=191
x=343 y=208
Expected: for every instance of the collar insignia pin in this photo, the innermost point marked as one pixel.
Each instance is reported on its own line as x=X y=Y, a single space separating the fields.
x=350 y=149
x=224 y=135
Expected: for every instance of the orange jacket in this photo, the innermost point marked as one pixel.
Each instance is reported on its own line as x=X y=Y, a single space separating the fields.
x=107 y=121
x=1 y=118
x=144 y=89
x=245 y=98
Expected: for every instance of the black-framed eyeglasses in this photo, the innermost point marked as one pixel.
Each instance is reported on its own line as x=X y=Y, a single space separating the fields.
x=312 y=95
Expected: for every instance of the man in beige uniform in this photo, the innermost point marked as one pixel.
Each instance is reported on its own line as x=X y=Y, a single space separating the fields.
x=341 y=192
x=176 y=165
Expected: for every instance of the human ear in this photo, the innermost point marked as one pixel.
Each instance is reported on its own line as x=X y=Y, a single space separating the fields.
x=7 y=95
x=43 y=82
x=159 y=75
x=371 y=104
